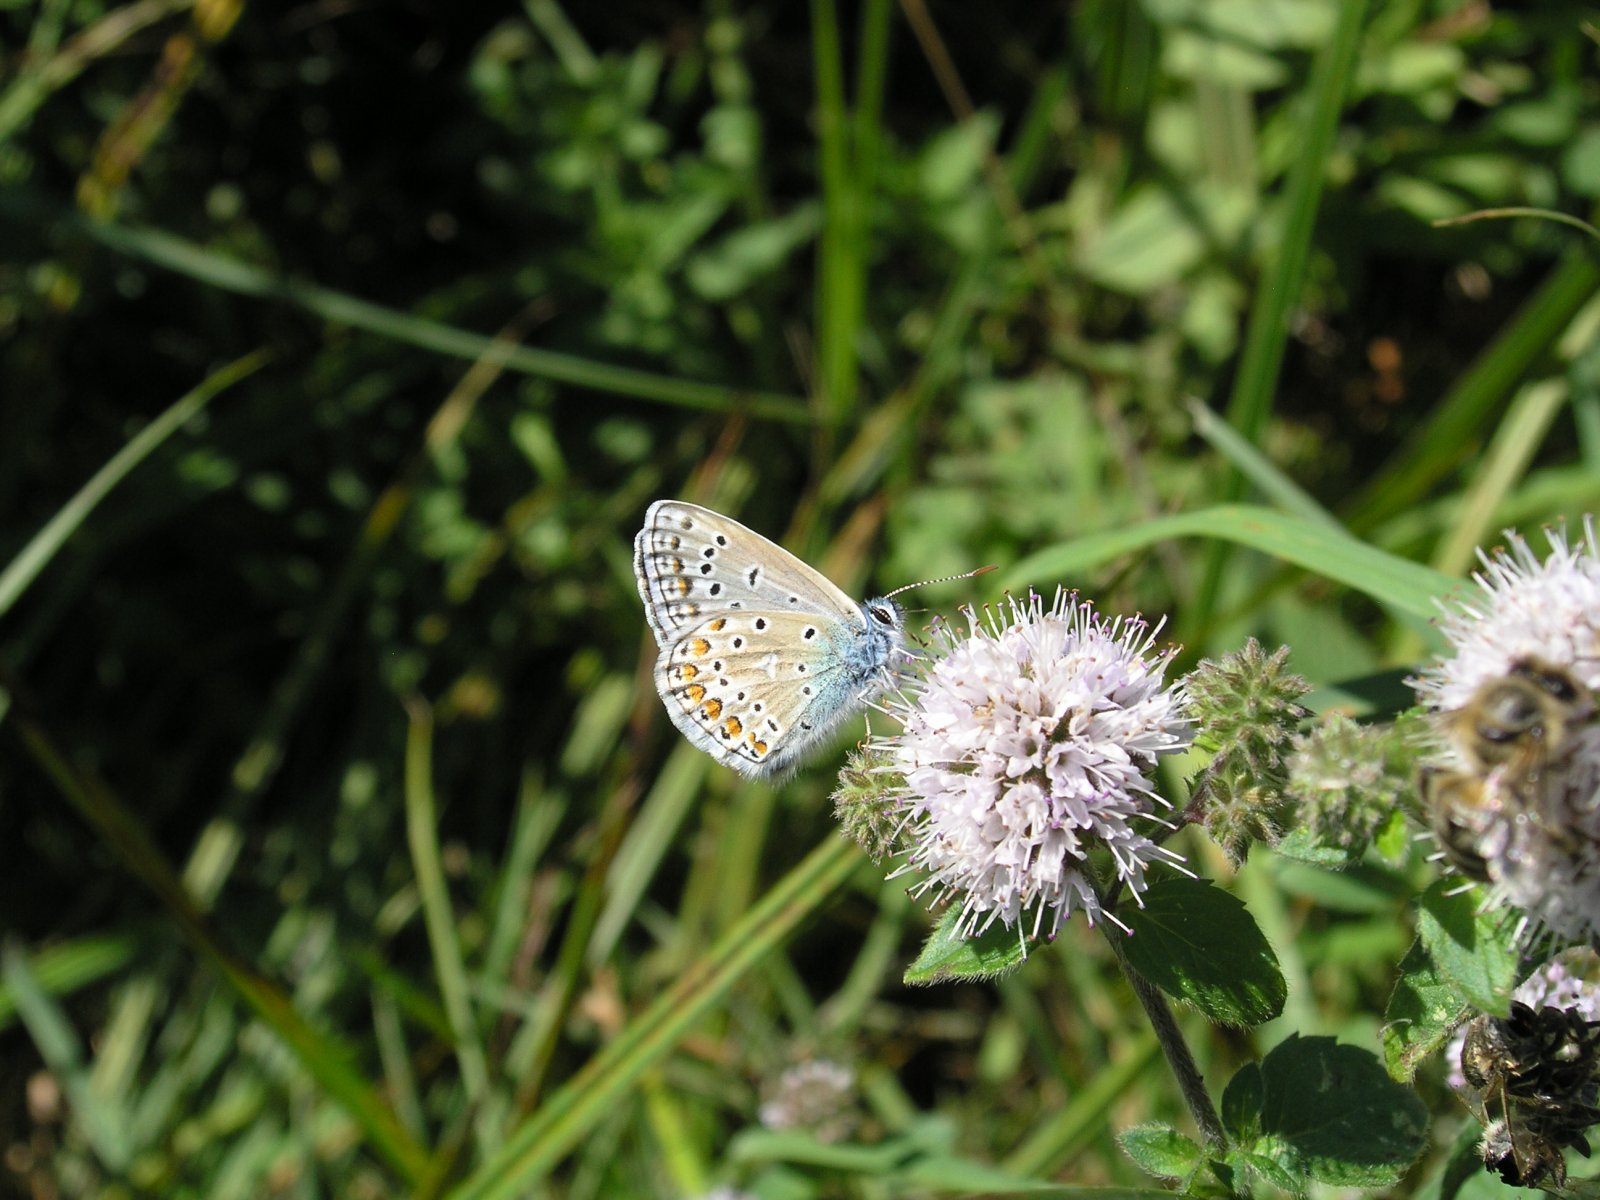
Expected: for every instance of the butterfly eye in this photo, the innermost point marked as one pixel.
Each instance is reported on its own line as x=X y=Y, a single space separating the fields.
x=882 y=613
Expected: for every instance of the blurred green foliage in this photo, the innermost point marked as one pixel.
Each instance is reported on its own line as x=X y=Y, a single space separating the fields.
x=915 y=287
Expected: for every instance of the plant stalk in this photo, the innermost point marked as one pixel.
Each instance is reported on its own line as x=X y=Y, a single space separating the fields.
x=1165 y=1026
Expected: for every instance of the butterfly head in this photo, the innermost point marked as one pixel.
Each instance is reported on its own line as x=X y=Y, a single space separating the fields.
x=883 y=634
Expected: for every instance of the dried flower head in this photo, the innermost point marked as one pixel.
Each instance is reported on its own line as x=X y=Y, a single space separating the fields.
x=1569 y=981
x=1026 y=747
x=1346 y=779
x=1245 y=708
x=1533 y=1078
x=1515 y=794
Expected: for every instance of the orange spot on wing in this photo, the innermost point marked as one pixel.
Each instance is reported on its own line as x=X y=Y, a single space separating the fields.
x=683 y=586
x=712 y=707
x=688 y=670
x=759 y=747
x=716 y=626
x=699 y=646
x=732 y=727
x=695 y=692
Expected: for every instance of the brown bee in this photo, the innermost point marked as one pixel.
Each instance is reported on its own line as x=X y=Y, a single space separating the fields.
x=1514 y=733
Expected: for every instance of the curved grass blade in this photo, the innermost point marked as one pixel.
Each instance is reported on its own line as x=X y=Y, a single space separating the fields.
x=1517 y=440
x=43 y=546
x=62 y=969
x=1397 y=582
x=573 y=1111
x=189 y=259
x=422 y=833
x=1451 y=432
x=1258 y=468
x=328 y=1061
x=103 y=1125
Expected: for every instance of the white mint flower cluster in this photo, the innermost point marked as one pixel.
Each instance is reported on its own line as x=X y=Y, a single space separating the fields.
x=1515 y=798
x=1026 y=747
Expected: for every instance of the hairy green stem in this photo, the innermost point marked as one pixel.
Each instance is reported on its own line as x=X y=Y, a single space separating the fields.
x=1165 y=1026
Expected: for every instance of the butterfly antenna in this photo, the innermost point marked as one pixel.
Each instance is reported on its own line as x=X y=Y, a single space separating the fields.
x=944 y=579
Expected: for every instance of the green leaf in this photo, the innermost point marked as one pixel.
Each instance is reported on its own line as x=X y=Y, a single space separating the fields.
x=1199 y=944
x=1423 y=1011
x=1392 y=840
x=1274 y=1170
x=1349 y=1124
x=946 y=956
x=1156 y=237
x=1241 y=1102
x=1160 y=1150
x=1302 y=845
x=1475 y=946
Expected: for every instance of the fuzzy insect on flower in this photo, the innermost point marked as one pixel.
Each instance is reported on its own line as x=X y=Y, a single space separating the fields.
x=1025 y=747
x=1514 y=798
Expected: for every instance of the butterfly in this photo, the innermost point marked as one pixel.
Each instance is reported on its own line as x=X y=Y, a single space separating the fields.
x=762 y=656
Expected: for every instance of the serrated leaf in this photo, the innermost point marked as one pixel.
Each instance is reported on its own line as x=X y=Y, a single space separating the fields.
x=1241 y=1102
x=1423 y=1011
x=1278 y=1174
x=1199 y=944
x=1160 y=1150
x=1349 y=1124
x=1476 y=948
x=946 y=956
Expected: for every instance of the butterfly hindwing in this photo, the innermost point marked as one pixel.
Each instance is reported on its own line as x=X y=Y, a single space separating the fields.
x=756 y=689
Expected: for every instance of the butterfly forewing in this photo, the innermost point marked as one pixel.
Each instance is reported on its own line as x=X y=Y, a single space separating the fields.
x=692 y=563
x=755 y=689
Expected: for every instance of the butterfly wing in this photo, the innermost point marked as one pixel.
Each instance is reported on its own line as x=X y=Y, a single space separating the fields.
x=693 y=564
x=757 y=689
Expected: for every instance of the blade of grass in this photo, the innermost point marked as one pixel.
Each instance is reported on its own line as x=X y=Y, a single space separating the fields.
x=58 y=1045
x=847 y=154
x=530 y=1151
x=422 y=835
x=1059 y=1136
x=328 y=1061
x=47 y=543
x=205 y=266
x=1258 y=468
x=400 y=1078
x=1278 y=292
x=1397 y=582
x=1516 y=442
x=651 y=834
x=539 y=812
x=1449 y=435
x=1543 y=214
x=41 y=76
x=63 y=969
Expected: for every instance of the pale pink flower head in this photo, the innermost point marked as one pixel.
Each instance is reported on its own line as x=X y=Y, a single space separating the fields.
x=1024 y=748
